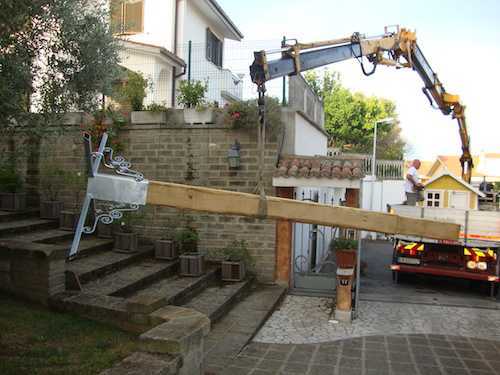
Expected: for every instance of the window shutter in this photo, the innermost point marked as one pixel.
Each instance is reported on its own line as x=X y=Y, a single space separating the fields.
x=134 y=16
x=209 y=45
x=116 y=16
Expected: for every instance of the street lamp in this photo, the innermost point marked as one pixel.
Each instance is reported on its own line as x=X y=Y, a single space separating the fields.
x=387 y=120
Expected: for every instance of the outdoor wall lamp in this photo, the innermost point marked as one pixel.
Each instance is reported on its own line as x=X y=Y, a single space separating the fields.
x=233 y=155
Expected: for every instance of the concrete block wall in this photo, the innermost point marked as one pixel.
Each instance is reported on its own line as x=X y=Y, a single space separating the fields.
x=33 y=271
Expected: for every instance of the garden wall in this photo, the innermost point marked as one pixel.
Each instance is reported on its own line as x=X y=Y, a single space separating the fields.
x=163 y=148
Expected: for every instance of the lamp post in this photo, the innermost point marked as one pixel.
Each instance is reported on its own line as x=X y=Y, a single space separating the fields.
x=388 y=120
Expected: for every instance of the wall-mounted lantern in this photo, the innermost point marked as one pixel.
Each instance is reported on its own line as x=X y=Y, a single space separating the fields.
x=233 y=155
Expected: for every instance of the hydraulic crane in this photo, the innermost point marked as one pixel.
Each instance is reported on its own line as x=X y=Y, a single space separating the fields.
x=397 y=48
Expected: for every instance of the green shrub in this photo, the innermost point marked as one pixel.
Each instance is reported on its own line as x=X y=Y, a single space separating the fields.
x=237 y=251
x=186 y=235
x=245 y=115
x=132 y=92
x=343 y=244
x=192 y=93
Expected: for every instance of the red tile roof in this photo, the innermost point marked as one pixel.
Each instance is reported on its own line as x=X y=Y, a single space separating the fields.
x=319 y=167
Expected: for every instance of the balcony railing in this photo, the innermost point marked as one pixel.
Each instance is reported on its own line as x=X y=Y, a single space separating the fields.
x=386 y=169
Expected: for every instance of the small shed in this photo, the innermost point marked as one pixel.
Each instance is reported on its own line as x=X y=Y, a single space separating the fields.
x=448 y=191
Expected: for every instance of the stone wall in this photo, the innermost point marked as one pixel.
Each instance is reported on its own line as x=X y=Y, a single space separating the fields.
x=165 y=149
x=33 y=271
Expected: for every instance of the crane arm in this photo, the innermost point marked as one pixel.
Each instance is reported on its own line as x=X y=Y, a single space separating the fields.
x=398 y=49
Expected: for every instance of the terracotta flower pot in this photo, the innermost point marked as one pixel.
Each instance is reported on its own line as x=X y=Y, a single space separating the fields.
x=50 y=209
x=346 y=258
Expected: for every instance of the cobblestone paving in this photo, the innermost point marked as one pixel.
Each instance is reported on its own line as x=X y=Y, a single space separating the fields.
x=372 y=355
x=302 y=320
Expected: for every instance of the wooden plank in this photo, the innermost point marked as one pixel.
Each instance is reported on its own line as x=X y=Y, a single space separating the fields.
x=234 y=203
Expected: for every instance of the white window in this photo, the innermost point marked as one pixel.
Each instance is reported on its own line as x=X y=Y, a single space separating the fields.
x=214 y=49
x=433 y=199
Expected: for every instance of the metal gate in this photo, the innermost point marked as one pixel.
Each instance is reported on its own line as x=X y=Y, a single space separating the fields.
x=313 y=266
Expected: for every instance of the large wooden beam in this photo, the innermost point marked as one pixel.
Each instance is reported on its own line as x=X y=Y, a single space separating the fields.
x=234 y=203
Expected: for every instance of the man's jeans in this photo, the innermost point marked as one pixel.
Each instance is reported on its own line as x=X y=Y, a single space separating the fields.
x=413 y=198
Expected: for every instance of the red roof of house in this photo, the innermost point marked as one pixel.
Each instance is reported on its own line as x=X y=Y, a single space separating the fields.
x=319 y=167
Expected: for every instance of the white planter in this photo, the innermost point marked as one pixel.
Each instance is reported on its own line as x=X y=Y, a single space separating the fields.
x=196 y=116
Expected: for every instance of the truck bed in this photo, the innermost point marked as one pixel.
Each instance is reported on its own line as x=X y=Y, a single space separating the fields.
x=477 y=228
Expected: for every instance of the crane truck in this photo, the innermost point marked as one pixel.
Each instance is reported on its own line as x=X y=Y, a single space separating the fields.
x=474 y=255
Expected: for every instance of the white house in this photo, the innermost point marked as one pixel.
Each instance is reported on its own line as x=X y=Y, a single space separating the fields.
x=168 y=40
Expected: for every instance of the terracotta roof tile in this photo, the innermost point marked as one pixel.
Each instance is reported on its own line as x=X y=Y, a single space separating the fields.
x=319 y=167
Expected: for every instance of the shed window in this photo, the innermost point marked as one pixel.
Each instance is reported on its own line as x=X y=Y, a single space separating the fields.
x=433 y=199
x=127 y=16
x=214 y=49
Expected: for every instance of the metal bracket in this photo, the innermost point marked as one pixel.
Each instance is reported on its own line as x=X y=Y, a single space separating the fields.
x=122 y=193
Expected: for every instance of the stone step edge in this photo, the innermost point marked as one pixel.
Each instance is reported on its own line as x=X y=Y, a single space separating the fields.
x=110 y=268
x=169 y=269
x=270 y=312
x=38 y=225
x=240 y=294
x=146 y=363
x=29 y=213
x=143 y=304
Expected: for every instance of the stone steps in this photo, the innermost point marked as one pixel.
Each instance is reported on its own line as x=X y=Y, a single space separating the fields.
x=95 y=266
x=90 y=246
x=44 y=236
x=234 y=331
x=174 y=290
x=10 y=216
x=131 y=278
x=215 y=301
x=17 y=227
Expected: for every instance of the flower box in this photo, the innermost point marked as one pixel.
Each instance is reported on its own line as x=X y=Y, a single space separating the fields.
x=192 y=264
x=166 y=249
x=126 y=242
x=104 y=230
x=233 y=271
x=50 y=209
x=68 y=220
x=12 y=201
x=197 y=116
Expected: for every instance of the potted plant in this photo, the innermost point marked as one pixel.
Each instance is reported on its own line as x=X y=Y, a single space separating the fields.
x=192 y=97
x=237 y=261
x=51 y=180
x=12 y=198
x=166 y=248
x=192 y=261
x=126 y=240
x=69 y=218
x=345 y=252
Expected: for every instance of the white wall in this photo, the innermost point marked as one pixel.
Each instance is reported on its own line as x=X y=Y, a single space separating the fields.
x=193 y=28
x=309 y=141
x=384 y=193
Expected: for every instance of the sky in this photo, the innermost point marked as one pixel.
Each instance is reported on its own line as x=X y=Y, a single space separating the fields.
x=460 y=39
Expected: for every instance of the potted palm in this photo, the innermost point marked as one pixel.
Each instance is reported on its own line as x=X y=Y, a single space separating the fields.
x=192 y=97
x=192 y=261
x=12 y=197
x=126 y=240
x=69 y=218
x=51 y=180
x=237 y=261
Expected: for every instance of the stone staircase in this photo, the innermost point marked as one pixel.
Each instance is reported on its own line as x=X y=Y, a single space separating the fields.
x=137 y=292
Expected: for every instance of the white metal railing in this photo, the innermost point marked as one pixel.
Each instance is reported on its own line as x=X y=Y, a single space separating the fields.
x=386 y=169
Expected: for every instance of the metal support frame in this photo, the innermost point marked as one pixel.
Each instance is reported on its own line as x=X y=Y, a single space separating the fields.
x=115 y=194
